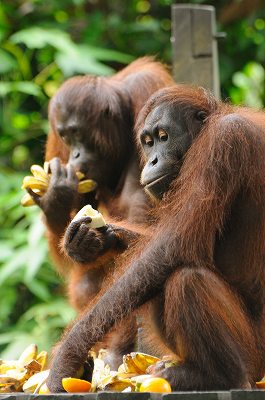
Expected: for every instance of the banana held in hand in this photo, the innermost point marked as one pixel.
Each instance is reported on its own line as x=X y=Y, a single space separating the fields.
x=86 y=186
x=88 y=211
x=39 y=183
x=39 y=172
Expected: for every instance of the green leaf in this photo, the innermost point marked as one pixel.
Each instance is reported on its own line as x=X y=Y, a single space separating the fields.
x=36 y=232
x=106 y=54
x=37 y=258
x=38 y=38
x=71 y=57
x=51 y=309
x=78 y=62
x=5 y=251
x=255 y=71
x=7 y=62
x=16 y=263
x=18 y=342
x=39 y=289
x=26 y=87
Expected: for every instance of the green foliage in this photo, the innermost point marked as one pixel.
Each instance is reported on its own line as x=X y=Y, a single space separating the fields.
x=42 y=44
x=249 y=86
x=245 y=43
x=31 y=292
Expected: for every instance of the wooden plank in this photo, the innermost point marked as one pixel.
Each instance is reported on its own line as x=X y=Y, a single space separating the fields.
x=195 y=56
x=201 y=32
x=182 y=45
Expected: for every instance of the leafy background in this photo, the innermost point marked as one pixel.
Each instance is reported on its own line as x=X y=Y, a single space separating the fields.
x=42 y=44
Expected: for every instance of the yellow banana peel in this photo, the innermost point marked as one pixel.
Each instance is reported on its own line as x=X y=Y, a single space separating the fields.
x=28 y=373
x=80 y=175
x=34 y=183
x=143 y=361
x=27 y=200
x=46 y=167
x=29 y=354
x=119 y=385
x=35 y=381
x=42 y=358
x=39 y=172
x=130 y=366
x=39 y=183
x=14 y=374
x=9 y=384
x=88 y=185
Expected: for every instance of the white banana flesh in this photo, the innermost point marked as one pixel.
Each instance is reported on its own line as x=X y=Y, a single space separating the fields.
x=88 y=211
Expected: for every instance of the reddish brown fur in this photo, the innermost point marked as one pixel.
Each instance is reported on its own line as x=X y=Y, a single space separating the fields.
x=202 y=270
x=90 y=100
x=132 y=86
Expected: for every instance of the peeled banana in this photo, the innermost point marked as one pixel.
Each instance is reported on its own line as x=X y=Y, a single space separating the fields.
x=39 y=183
x=88 y=211
x=35 y=381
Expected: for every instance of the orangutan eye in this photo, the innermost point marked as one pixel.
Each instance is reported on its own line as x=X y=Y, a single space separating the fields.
x=148 y=141
x=201 y=115
x=163 y=136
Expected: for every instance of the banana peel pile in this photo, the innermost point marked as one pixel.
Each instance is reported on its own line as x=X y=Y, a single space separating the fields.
x=29 y=373
x=39 y=181
x=130 y=375
x=14 y=374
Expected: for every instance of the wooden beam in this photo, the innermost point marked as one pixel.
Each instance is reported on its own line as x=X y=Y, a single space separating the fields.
x=194 y=41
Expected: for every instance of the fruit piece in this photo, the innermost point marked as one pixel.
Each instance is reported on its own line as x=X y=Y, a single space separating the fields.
x=127 y=390
x=75 y=385
x=79 y=175
x=27 y=200
x=115 y=381
x=39 y=182
x=141 y=378
x=39 y=172
x=44 y=389
x=29 y=354
x=157 y=385
x=130 y=366
x=6 y=365
x=19 y=375
x=143 y=361
x=35 y=381
x=119 y=385
x=8 y=384
x=88 y=185
x=97 y=218
x=34 y=183
x=138 y=380
x=260 y=384
x=42 y=358
x=46 y=167
x=33 y=366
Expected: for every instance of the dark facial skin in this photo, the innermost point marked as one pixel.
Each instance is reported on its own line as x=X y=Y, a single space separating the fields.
x=85 y=155
x=165 y=139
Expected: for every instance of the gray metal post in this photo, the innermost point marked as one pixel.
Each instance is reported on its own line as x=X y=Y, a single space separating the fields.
x=195 y=54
